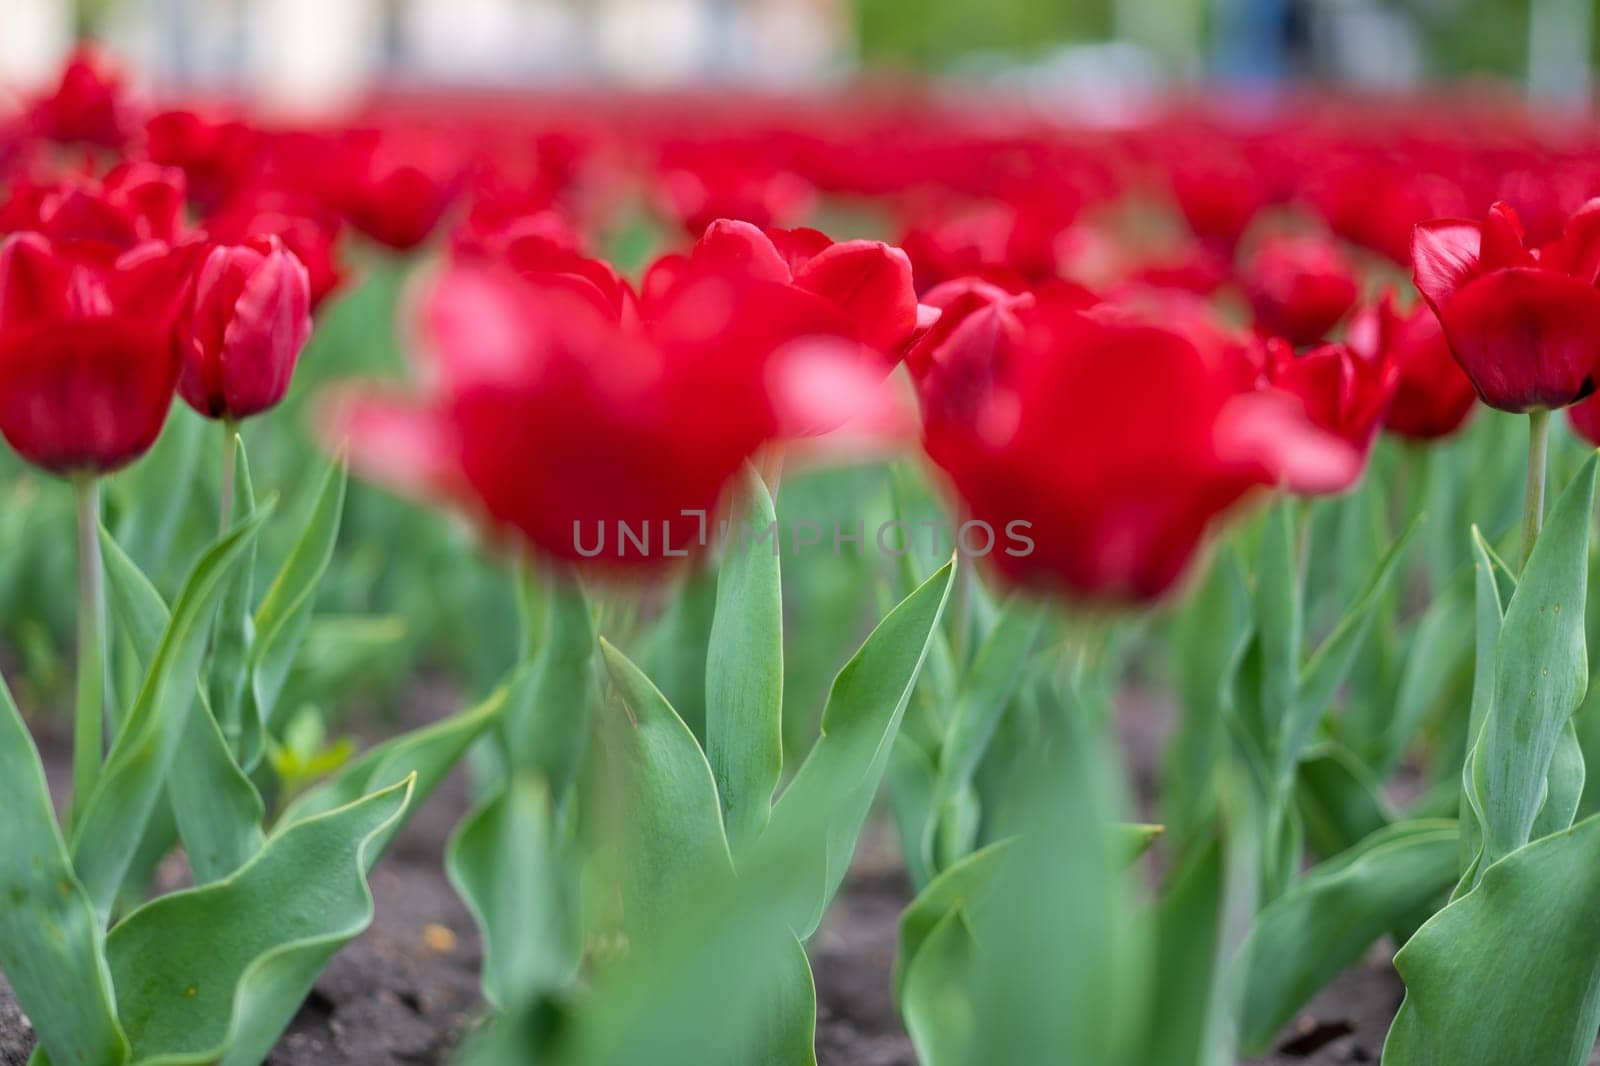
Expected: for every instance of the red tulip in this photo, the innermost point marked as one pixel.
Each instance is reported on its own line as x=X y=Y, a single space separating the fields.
x=87 y=105
x=1524 y=324
x=1344 y=394
x=1299 y=287
x=558 y=419
x=218 y=156
x=307 y=230
x=1434 y=396
x=243 y=329
x=1219 y=195
x=1110 y=445
x=393 y=188
x=544 y=248
x=135 y=203
x=87 y=354
x=857 y=289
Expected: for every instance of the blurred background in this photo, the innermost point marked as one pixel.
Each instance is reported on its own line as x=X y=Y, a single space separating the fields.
x=314 y=53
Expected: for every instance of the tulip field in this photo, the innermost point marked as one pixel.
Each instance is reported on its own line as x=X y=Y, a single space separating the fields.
x=863 y=578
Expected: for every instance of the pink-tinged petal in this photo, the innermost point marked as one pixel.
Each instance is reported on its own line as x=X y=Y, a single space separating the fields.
x=821 y=385
x=871 y=283
x=474 y=325
x=1269 y=431
x=1444 y=257
x=927 y=315
x=741 y=250
x=799 y=246
x=1526 y=338
x=395 y=440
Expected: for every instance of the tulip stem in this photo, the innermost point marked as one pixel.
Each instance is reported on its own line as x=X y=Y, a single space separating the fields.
x=1533 y=502
x=88 y=729
x=230 y=449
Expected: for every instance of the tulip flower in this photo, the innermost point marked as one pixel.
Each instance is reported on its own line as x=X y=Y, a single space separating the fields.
x=1434 y=396
x=243 y=329
x=87 y=105
x=394 y=189
x=216 y=154
x=307 y=230
x=859 y=289
x=1344 y=393
x=1299 y=288
x=575 y=427
x=1112 y=444
x=1524 y=323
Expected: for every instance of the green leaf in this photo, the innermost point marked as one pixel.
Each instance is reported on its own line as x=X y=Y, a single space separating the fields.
x=1541 y=673
x=744 y=674
x=934 y=1002
x=164 y=486
x=51 y=942
x=842 y=773
x=230 y=645
x=986 y=691
x=1440 y=652
x=547 y=720
x=216 y=807
x=1330 y=918
x=1331 y=662
x=423 y=755
x=1210 y=638
x=136 y=770
x=671 y=818
x=1340 y=801
x=1279 y=621
x=954 y=891
x=1507 y=974
x=281 y=620
x=505 y=860
x=190 y=995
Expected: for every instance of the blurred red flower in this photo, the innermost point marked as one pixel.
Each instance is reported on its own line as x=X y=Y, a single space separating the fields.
x=1115 y=443
x=1299 y=287
x=87 y=105
x=1344 y=393
x=1524 y=323
x=1434 y=395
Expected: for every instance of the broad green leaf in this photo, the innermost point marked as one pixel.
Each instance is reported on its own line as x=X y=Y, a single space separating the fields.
x=934 y=1000
x=505 y=860
x=423 y=755
x=51 y=942
x=744 y=674
x=841 y=774
x=954 y=891
x=189 y=995
x=1489 y=617
x=136 y=770
x=216 y=807
x=1541 y=673
x=280 y=622
x=1329 y=919
x=547 y=720
x=230 y=644
x=1059 y=975
x=1563 y=785
x=996 y=672
x=1508 y=974
x=671 y=818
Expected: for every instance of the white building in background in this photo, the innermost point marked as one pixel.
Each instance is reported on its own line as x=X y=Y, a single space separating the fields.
x=314 y=53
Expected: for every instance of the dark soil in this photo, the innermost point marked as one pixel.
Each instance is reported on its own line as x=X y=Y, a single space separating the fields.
x=406 y=990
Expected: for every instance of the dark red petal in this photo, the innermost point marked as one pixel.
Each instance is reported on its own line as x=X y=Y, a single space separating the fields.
x=1526 y=338
x=871 y=283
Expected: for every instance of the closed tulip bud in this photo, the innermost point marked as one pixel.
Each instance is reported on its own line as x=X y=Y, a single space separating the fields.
x=1523 y=323
x=245 y=325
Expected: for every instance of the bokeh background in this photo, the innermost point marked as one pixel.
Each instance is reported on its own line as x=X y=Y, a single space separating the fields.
x=313 y=54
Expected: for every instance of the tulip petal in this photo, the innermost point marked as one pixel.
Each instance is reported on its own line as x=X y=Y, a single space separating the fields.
x=742 y=250
x=820 y=385
x=1444 y=257
x=871 y=282
x=393 y=439
x=1526 y=338
x=1270 y=430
